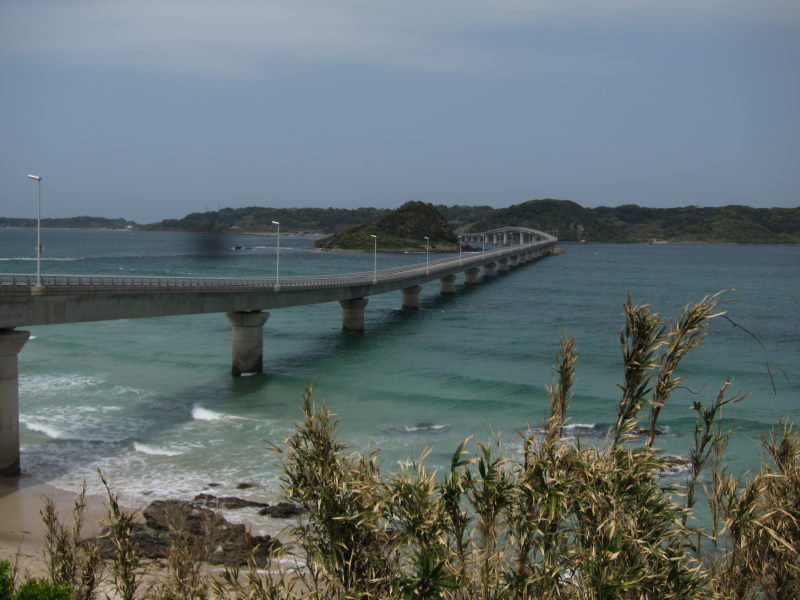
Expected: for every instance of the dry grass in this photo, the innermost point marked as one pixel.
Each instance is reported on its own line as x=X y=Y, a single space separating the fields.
x=559 y=521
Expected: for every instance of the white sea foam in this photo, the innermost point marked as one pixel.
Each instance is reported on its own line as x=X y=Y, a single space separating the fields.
x=420 y=427
x=33 y=258
x=48 y=430
x=154 y=450
x=578 y=426
x=203 y=414
x=37 y=384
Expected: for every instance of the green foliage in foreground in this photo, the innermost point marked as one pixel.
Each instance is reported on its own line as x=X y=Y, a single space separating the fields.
x=553 y=519
x=31 y=589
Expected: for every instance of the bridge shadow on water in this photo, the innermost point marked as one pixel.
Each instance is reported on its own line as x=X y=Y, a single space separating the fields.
x=337 y=344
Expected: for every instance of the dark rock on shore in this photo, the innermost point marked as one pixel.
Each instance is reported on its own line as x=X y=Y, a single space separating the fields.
x=226 y=502
x=221 y=542
x=282 y=510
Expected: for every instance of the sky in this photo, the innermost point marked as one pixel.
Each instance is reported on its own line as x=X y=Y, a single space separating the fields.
x=152 y=109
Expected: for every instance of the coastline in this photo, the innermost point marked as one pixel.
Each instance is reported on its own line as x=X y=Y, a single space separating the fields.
x=22 y=530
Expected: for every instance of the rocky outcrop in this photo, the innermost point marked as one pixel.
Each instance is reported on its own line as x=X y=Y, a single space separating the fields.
x=221 y=542
x=282 y=510
x=226 y=502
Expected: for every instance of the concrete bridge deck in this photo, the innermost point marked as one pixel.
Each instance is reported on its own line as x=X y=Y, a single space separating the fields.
x=83 y=298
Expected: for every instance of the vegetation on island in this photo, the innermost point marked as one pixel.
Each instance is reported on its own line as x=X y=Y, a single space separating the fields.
x=551 y=517
x=70 y=223
x=627 y=223
x=259 y=219
x=401 y=229
x=632 y=223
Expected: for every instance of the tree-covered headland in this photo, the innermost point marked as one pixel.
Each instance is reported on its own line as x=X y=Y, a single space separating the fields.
x=572 y=222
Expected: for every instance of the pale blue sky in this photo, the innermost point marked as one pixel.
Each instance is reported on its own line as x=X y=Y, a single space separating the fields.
x=150 y=109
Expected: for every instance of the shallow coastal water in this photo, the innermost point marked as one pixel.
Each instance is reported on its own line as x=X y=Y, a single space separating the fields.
x=151 y=401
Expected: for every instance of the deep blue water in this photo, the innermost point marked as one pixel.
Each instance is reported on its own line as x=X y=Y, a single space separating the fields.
x=152 y=403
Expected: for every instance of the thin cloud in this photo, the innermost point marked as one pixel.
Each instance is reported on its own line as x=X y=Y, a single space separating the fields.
x=242 y=36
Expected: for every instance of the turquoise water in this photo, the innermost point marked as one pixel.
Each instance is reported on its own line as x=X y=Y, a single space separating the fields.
x=151 y=401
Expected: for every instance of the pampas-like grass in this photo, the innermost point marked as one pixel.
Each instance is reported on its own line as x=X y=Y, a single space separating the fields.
x=558 y=520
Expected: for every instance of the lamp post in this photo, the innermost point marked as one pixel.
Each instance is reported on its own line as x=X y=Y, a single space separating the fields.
x=427 y=262
x=374 y=257
x=278 y=256
x=460 y=244
x=483 y=246
x=38 y=180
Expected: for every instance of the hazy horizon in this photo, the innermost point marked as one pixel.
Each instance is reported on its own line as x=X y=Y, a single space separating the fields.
x=153 y=110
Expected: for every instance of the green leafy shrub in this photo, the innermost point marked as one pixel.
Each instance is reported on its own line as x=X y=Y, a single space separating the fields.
x=6 y=580
x=42 y=589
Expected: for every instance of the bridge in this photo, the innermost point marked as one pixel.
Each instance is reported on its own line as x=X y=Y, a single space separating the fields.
x=26 y=301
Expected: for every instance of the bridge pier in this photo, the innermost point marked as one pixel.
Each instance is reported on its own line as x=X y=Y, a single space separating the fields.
x=353 y=314
x=448 y=285
x=502 y=265
x=248 y=341
x=411 y=297
x=11 y=343
x=488 y=269
x=471 y=275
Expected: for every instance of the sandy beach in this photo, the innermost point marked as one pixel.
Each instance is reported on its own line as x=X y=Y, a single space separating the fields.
x=21 y=528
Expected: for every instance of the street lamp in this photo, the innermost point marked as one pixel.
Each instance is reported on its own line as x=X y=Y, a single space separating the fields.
x=427 y=263
x=38 y=180
x=374 y=258
x=278 y=256
x=460 y=244
x=483 y=246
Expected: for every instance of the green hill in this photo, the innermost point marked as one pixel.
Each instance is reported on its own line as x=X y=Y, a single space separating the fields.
x=69 y=223
x=402 y=229
x=571 y=221
x=632 y=223
x=259 y=219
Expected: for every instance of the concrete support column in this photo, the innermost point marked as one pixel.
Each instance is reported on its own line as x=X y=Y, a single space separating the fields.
x=411 y=297
x=513 y=261
x=11 y=342
x=502 y=265
x=248 y=341
x=448 y=285
x=488 y=269
x=471 y=275
x=353 y=314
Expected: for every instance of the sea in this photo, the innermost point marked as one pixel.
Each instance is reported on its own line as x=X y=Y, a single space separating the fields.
x=152 y=405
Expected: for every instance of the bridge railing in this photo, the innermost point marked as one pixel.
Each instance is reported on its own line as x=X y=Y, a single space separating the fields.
x=465 y=260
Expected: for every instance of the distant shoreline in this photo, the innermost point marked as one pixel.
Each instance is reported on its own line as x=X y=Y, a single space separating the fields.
x=432 y=251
